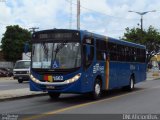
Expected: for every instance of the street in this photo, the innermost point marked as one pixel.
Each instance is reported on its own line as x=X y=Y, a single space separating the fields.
x=144 y=99
x=12 y=84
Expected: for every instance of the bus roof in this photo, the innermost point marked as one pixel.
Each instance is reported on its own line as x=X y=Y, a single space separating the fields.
x=118 y=41
x=110 y=39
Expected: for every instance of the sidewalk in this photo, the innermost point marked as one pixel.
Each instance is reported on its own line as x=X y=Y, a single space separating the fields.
x=18 y=93
x=6 y=78
x=152 y=75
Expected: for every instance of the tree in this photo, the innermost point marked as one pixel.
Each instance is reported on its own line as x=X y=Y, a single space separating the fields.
x=150 y=38
x=13 y=42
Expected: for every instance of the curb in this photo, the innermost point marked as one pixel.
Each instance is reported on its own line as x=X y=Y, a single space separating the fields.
x=22 y=97
x=6 y=78
x=156 y=79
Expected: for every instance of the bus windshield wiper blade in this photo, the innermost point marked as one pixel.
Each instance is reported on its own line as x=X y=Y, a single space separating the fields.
x=45 y=49
x=59 y=47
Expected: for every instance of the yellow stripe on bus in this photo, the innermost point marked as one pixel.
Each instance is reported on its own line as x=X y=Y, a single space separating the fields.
x=107 y=74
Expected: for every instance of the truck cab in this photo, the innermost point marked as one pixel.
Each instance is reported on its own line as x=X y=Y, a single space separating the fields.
x=21 y=70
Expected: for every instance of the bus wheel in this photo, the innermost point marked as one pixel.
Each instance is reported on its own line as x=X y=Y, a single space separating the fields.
x=20 y=81
x=97 y=92
x=130 y=87
x=54 y=96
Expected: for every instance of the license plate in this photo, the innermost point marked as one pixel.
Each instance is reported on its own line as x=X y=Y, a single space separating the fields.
x=50 y=87
x=20 y=77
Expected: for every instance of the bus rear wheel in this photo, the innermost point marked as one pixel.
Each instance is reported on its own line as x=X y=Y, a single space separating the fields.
x=97 y=90
x=54 y=96
x=130 y=87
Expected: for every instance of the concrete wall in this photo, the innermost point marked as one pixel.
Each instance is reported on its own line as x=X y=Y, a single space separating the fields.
x=6 y=64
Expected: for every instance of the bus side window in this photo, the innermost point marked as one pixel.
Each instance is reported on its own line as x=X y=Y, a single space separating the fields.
x=88 y=52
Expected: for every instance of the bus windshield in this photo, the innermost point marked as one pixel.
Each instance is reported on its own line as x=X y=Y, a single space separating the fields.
x=56 y=55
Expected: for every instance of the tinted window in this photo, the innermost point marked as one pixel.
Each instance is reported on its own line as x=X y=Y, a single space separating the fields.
x=113 y=51
x=119 y=52
x=88 y=52
x=101 y=48
x=22 y=65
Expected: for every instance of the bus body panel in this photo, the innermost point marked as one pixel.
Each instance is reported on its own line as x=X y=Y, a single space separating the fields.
x=121 y=72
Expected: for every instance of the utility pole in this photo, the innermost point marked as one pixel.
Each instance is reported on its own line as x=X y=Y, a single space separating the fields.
x=78 y=14
x=70 y=21
x=141 y=22
x=33 y=29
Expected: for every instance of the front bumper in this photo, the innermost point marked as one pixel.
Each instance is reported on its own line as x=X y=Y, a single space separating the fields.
x=23 y=77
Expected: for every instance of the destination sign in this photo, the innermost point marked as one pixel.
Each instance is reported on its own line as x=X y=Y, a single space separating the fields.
x=57 y=35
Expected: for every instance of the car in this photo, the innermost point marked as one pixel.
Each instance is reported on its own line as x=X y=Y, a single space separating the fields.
x=7 y=72
x=21 y=70
x=3 y=73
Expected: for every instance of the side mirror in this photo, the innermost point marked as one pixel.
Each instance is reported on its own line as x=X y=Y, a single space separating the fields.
x=26 y=48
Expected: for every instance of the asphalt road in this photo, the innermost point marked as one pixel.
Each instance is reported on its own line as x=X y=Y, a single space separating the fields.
x=144 y=99
x=12 y=84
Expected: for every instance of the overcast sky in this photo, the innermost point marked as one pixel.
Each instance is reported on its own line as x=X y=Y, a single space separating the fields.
x=107 y=17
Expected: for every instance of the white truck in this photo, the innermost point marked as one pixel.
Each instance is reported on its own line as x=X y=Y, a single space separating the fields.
x=21 y=70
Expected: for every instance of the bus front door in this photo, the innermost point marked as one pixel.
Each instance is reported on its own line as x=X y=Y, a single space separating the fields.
x=88 y=53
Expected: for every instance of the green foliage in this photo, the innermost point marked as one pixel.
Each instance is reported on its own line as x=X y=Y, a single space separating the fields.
x=150 y=38
x=13 y=42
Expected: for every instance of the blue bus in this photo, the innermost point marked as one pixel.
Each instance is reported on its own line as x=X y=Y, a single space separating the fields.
x=76 y=61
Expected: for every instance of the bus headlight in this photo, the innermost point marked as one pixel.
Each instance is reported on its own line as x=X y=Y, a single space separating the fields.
x=75 y=78
x=34 y=79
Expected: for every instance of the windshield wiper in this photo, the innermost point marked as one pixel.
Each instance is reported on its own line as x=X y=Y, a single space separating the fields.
x=45 y=50
x=59 y=47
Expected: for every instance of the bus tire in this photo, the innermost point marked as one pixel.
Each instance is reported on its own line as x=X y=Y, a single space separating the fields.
x=20 y=81
x=97 y=90
x=54 y=96
x=130 y=87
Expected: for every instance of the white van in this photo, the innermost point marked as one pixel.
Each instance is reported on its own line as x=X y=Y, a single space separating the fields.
x=21 y=70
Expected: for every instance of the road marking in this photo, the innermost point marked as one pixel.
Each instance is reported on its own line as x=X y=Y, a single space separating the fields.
x=79 y=106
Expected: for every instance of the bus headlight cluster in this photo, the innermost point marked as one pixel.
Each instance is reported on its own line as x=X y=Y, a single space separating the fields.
x=71 y=80
x=34 y=79
x=75 y=78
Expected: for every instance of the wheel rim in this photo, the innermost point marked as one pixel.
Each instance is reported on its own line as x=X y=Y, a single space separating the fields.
x=97 y=89
x=132 y=84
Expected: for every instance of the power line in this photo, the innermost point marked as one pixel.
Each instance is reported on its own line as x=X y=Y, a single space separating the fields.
x=89 y=9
